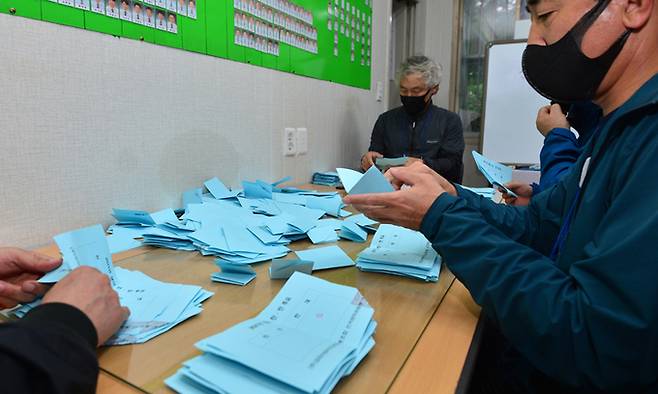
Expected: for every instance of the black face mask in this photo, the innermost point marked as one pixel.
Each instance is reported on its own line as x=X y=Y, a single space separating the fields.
x=561 y=72
x=415 y=105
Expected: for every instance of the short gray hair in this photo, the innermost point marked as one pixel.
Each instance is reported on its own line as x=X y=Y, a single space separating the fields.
x=428 y=68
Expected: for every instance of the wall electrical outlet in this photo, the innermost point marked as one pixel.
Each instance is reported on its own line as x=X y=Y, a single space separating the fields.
x=289 y=141
x=302 y=140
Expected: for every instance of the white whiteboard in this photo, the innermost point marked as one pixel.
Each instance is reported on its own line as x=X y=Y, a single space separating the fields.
x=509 y=134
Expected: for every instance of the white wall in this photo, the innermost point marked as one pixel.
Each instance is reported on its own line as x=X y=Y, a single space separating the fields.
x=434 y=28
x=90 y=122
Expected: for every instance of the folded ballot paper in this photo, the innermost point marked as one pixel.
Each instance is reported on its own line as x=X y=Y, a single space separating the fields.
x=372 y=181
x=155 y=307
x=311 y=335
x=497 y=174
x=233 y=273
x=400 y=251
x=283 y=269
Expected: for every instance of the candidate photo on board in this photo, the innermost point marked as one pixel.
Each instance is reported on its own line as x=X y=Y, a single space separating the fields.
x=191 y=9
x=171 y=5
x=111 y=9
x=125 y=11
x=172 y=23
x=160 y=20
x=82 y=4
x=98 y=6
x=149 y=17
x=138 y=13
x=161 y=3
x=181 y=7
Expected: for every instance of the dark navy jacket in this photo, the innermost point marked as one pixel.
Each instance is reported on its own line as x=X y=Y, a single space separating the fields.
x=436 y=137
x=589 y=320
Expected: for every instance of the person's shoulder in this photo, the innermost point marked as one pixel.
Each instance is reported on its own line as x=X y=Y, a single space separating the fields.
x=440 y=111
x=392 y=113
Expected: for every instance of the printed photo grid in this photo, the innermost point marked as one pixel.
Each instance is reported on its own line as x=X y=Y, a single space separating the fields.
x=346 y=21
x=159 y=14
x=264 y=24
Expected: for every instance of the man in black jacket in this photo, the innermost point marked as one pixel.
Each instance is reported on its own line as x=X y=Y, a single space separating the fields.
x=418 y=129
x=53 y=348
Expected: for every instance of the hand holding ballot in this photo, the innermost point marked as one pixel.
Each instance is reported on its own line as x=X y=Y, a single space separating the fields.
x=368 y=160
x=407 y=205
x=523 y=193
x=90 y=291
x=19 y=271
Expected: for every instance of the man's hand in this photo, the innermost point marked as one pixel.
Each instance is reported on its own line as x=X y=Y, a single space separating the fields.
x=89 y=290
x=420 y=168
x=550 y=117
x=417 y=187
x=368 y=160
x=522 y=190
x=19 y=271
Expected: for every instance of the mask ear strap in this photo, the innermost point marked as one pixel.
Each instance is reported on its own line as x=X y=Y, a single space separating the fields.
x=588 y=20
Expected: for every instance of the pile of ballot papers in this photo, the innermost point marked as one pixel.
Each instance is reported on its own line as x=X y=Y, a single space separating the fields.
x=155 y=307
x=311 y=335
x=326 y=179
x=246 y=226
x=400 y=251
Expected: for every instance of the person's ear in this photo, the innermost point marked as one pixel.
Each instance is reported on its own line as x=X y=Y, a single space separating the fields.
x=434 y=90
x=637 y=13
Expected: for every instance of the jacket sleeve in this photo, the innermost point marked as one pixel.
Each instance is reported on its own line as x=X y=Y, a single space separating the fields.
x=450 y=156
x=595 y=325
x=535 y=225
x=558 y=155
x=50 y=350
x=377 y=137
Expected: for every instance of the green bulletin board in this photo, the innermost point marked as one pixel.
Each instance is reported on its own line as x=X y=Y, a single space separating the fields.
x=324 y=39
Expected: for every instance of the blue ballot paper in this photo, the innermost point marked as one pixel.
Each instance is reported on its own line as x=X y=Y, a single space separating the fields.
x=372 y=181
x=330 y=205
x=128 y=216
x=234 y=274
x=325 y=258
x=192 y=196
x=324 y=234
x=218 y=190
x=155 y=306
x=122 y=240
x=86 y=246
x=353 y=232
x=496 y=173
x=258 y=189
x=364 y=222
x=283 y=269
x=400 y=251
x=311 y=335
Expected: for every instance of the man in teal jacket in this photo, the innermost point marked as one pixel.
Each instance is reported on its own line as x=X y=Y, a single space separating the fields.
x=571 y=281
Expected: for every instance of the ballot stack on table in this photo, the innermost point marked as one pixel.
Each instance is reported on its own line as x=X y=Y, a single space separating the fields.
x=400 y=251
x=311 y=335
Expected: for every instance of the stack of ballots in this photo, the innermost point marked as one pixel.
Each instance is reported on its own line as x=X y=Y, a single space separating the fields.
x=311 y=335
x=400 y=251
x=155 y=307
x=326 y=178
